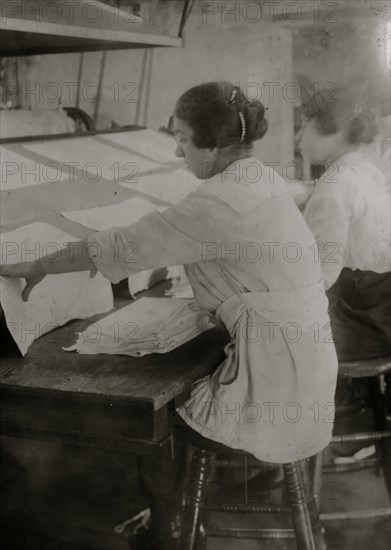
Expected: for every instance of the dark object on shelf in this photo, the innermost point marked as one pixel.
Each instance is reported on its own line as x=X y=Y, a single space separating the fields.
x=83 y=122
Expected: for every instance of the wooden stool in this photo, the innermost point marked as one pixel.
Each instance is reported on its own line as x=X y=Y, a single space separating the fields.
x=306 y=525
x=377 y=374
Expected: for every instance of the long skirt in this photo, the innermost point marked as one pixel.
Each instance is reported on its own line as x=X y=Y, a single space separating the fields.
x=360 y=313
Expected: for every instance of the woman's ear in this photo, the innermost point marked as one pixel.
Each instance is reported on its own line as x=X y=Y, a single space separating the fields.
x=332 y=143
x=213 y=152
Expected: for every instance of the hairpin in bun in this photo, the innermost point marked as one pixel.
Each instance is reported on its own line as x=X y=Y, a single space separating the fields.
x=233 y=100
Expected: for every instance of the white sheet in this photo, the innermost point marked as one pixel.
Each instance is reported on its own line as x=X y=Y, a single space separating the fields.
x=114 y=215
x=58 y=298
x=171 y=187
x=19 y=171
x=151 y=143
x=95 y=159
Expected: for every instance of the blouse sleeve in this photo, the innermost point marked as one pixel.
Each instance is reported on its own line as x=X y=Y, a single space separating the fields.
x=328 y=214
x=173 y=237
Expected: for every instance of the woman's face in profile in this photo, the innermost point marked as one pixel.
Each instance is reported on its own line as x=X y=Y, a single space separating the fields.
x=313 y=145
x=309 y=141
x=199 y=161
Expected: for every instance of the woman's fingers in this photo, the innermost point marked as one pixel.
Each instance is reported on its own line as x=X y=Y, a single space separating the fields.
x=23 y=271
x=30 y=284
x=27 y=289
x=26 y=270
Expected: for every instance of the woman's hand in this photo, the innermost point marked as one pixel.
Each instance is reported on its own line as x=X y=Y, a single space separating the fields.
x=25 y=270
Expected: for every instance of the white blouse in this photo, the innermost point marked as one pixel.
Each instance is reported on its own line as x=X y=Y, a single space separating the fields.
x=349 y=215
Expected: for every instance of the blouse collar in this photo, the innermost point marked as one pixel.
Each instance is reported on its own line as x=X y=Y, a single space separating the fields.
x=244 y=184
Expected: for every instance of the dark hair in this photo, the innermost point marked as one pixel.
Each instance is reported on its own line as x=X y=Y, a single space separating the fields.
x=212 y=111
x=342 y=111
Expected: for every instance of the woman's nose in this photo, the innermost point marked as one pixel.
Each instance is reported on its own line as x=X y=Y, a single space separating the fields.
x=179 y=151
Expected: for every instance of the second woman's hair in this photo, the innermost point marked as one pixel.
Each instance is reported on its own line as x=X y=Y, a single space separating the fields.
x=220 y=115
x=343 y=111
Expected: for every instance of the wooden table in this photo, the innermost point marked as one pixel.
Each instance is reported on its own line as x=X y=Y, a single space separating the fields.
x=114 y=402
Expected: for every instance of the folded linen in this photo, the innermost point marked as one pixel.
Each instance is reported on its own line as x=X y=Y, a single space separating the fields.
x=148 y=325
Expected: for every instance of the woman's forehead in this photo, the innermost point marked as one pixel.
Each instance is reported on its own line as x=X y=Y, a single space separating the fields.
x=182 y=127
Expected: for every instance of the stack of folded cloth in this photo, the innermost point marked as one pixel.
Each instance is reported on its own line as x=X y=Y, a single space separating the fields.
x=148 y=325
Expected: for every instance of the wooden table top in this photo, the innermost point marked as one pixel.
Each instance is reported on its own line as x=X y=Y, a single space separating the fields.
x=54 y=394
x=155 y=377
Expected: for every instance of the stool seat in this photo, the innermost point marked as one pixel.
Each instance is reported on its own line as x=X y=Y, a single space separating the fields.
x=365 y=367
x=185 y=433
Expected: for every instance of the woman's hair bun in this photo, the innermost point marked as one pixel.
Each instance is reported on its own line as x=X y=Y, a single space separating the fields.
x=344 y=110
x=256 y=123
x=362 y=128
x=221 y=115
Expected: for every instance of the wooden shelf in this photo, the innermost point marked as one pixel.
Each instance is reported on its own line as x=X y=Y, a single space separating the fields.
x=54 y=27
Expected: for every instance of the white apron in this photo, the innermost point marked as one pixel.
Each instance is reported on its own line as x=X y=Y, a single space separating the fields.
x=273 y=394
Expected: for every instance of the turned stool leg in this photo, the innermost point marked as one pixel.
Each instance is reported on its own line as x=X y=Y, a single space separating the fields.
x=386 y=443
x=315 y=464
x=194 y=499
x=297 y=500
x=312 y=479
x=382 y=416
x=379 y=414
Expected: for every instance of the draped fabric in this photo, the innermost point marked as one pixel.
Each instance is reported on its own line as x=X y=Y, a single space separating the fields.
x=274 y=394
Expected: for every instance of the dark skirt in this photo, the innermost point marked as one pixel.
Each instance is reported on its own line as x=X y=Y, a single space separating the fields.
x=360 y=313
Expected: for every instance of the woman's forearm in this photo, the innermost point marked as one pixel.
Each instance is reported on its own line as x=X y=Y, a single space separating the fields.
x=75 y=257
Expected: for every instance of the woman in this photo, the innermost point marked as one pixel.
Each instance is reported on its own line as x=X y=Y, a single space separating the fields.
x=349 y=215
x=249 y=257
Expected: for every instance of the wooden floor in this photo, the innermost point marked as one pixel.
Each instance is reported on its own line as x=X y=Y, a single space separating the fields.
x=353 y=491
x=55 y=497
